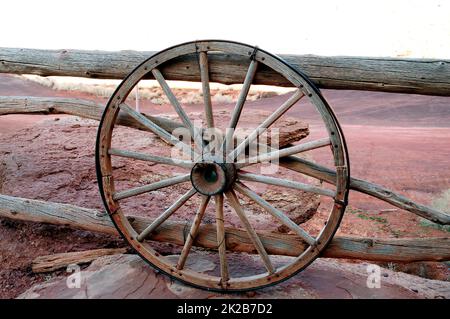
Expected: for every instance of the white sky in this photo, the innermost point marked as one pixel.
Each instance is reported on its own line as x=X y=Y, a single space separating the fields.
x=417 y=28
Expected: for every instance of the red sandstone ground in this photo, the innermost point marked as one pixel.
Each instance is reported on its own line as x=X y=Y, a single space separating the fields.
x=399 y=141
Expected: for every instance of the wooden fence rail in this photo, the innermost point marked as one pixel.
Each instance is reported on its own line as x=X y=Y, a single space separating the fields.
x=393 y=250
x=402 y=75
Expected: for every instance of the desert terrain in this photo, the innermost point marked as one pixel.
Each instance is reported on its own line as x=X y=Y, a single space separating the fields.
x=399 y=141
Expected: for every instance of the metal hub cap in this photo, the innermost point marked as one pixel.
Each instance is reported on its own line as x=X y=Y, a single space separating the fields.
x=212 y=178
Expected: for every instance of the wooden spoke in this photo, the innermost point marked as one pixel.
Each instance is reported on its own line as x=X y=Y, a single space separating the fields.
x=151 y=187
x=243 y=94
x=241 y=100
x=195 y=132
x=151 y=158
x=172 y=209
x=275 y=213
x=193 y=232
x=216 y=178
x=204 y=74
x=221 y=243
x=234 y=202
x=275 y=155
x=267 y=123
x=163 y=134
x=173 y=100
x=285 y=183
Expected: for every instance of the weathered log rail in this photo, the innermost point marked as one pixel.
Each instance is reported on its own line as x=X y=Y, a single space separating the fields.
x=53 y=262
x=401 y=75
x=92 y=110
x=78 y=107
x=418 y=76
x=394 y=250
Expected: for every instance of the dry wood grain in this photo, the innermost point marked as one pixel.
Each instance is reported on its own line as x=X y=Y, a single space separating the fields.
x=78 y=107
x=401 y=250
x=57 y=261
x=92 y=110
x=402 y=75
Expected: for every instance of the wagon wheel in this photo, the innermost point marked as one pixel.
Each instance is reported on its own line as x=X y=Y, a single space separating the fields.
x=217 y=174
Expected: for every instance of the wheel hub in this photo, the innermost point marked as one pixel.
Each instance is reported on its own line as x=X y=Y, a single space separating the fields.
x=211 y=177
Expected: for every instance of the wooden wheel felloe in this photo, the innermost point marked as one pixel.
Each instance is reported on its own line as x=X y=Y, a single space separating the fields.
x=219 y=176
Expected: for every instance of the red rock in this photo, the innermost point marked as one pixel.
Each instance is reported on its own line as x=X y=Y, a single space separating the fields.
x=128 y=276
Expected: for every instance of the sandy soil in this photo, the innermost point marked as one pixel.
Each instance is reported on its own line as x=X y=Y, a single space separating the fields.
x=399 y=141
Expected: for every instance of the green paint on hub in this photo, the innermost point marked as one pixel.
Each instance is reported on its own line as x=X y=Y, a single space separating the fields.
x=210 y=175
